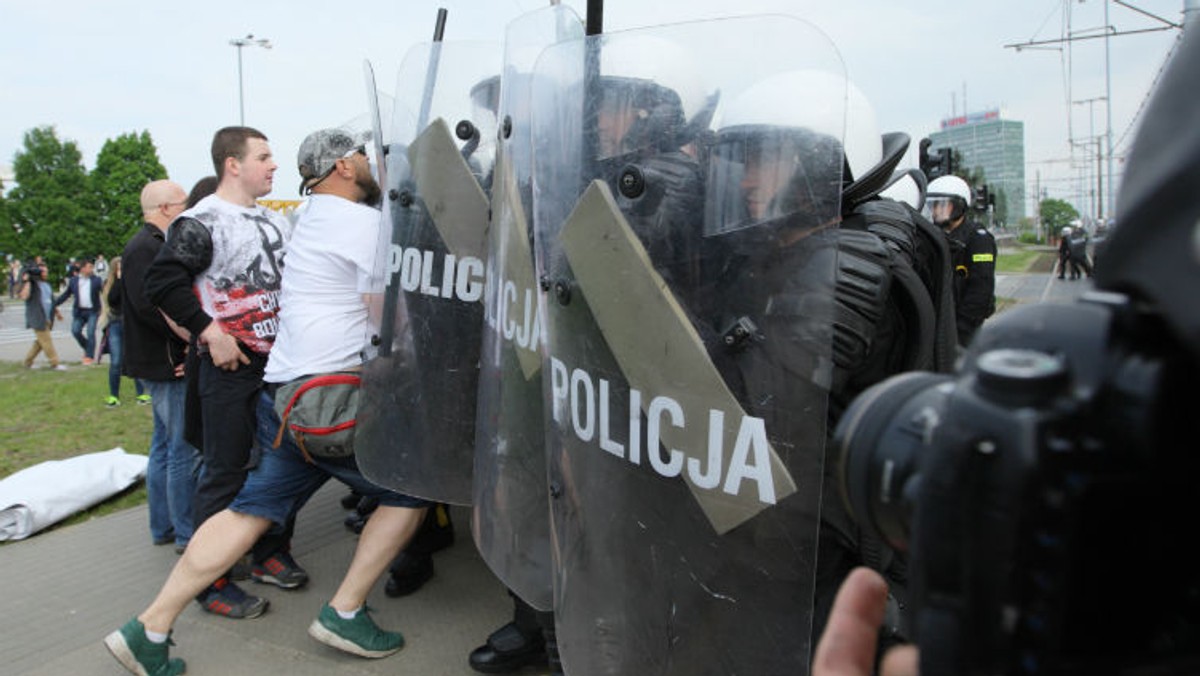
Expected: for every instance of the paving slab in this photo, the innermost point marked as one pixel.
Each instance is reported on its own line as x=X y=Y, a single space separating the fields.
x=65 y=589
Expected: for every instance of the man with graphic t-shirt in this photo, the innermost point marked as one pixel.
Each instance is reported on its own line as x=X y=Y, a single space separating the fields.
x=218 y=276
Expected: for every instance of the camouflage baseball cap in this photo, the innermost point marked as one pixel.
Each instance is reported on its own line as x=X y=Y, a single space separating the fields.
x=321 y=150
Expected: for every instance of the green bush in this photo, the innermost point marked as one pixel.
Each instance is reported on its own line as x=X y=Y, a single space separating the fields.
x=1029 y=238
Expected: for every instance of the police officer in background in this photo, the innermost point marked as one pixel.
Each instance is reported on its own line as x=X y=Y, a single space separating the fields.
x=973 y=253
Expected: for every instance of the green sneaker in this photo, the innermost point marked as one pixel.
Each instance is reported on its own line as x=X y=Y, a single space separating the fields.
x=112 y=402
x=143 y=399
x=139 y=654
x=359 y=636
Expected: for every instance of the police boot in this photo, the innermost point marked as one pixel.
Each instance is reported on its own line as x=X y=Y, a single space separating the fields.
x=552 y=660
x=508 y=649
x=356 y=519
x=408 y=573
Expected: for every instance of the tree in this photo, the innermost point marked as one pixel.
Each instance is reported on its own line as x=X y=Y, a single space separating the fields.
x=8 y=236
x=123 y=167
x=1056 y=215
x=49 y=205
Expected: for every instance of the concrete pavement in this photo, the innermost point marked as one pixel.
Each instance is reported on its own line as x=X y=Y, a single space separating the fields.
x=66 y=589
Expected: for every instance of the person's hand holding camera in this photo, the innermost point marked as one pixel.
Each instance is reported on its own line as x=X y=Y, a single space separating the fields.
x=847 y=646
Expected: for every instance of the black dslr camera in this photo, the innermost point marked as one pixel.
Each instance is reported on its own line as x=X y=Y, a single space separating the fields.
x=1043 y=494
x=33 y=271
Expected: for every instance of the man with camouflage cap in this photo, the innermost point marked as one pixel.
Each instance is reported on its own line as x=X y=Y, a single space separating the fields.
x=321 y=329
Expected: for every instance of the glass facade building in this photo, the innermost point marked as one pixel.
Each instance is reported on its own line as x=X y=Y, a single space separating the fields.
x=994 y=146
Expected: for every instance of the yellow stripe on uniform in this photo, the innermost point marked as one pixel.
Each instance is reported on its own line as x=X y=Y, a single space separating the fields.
x=983 y=258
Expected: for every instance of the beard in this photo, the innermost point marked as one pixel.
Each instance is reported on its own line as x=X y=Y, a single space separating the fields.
x=371 y=194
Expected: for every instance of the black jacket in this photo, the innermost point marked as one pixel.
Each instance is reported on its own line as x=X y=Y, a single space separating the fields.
x=151 y=348
x=973 y=254
x=73 y=290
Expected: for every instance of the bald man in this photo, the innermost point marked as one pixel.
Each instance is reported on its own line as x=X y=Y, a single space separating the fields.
x=154 y=352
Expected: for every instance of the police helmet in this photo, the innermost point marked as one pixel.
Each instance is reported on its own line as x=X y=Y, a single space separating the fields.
x=812 y=128
x=648 y=93
x=945 y=190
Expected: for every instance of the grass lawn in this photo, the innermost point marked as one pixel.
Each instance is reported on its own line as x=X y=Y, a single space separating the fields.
x=1016 y=261
x=52 y=415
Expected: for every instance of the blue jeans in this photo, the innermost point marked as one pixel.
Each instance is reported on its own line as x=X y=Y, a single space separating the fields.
x=116 y=342
x=83 y=327
x=174 y=465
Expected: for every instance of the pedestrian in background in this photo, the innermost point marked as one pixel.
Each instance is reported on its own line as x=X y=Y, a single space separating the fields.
x=85 y=312
x=112 y=334
x=154 y=354
x=39 y=314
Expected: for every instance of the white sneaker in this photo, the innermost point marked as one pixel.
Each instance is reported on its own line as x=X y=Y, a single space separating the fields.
x=60 y=367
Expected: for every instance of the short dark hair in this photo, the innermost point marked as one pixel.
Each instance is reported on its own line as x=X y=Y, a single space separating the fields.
x=231 y=142
x=203 y=188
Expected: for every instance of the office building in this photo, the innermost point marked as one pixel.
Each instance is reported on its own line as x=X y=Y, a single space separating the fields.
x=994 y=146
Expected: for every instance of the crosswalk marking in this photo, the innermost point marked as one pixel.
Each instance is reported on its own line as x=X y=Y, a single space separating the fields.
x=13 y=336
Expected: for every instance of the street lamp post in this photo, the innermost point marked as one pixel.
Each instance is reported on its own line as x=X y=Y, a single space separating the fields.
x=239 y=43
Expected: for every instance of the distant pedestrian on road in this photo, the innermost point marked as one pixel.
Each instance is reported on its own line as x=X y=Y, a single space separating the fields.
x=101 y=267
x=14 y=277
x=39 y=314
x=1079 y=256
x=85 y=288
x=1064 y=252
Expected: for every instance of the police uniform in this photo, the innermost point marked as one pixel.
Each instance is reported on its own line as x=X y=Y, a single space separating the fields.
x=973 y=254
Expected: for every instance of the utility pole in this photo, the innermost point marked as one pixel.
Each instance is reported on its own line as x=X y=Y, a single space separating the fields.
x=1108 y=31
x=1190 y=8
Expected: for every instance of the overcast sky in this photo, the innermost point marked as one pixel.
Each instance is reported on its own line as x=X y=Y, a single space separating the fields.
x=97 y=70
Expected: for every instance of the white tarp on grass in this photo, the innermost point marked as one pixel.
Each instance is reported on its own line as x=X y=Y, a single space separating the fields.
x=42 y=495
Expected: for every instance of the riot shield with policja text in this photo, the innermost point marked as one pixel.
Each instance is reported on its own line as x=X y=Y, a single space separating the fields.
x=687 y=358
x=511 y=519
x=415 y=430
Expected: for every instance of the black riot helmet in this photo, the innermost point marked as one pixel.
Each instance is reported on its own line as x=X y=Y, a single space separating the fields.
x=648 y=95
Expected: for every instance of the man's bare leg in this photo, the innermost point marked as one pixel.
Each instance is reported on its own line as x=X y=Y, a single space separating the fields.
x=387 y=532
x=215 y=547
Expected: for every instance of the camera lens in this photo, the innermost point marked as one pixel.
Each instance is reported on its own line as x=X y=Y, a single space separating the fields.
x=879 y=441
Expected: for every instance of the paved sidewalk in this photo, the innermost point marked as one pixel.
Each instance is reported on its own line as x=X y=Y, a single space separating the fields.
x=64 y=590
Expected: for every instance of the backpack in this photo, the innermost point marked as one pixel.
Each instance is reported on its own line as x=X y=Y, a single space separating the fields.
x=320 y=412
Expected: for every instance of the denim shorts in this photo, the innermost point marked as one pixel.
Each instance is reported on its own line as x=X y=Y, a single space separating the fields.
x=284 y=478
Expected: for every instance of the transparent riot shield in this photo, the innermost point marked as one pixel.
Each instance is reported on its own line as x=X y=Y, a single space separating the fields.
x=417 y=408
x=511 y=521
x=687 y=273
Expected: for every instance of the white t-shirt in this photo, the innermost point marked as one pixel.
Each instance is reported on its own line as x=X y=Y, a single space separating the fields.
x=323 y=323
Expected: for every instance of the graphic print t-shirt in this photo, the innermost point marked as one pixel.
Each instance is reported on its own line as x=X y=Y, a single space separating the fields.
x=240 y=288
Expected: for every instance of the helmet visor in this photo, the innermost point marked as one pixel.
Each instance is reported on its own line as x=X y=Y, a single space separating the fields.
x=767 y=175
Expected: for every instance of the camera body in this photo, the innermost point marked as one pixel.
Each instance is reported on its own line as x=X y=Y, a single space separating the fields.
x=1041 y=495
x=32 y=270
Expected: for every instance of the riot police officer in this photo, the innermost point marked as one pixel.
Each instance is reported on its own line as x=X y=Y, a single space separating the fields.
x=973 y=250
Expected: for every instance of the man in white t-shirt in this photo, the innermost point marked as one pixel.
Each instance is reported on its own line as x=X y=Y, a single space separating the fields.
x=322 y=328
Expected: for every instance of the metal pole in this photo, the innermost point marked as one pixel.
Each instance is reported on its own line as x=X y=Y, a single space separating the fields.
x=241 y=94
x=1108 y=103
x=1099 y=185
